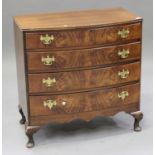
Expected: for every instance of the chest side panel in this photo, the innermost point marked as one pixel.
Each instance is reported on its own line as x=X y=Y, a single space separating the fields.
x=21 y=70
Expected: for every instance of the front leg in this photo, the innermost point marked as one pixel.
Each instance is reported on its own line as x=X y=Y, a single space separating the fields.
x=138 y=115
x=30 y=130
x=23 y=119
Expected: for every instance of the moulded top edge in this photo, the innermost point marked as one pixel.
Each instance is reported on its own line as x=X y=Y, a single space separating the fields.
x=74 y=19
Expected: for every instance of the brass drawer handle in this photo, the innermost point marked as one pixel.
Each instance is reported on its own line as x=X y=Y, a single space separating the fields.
x=49 y=82
x=124 y=53
x=123 y=95
x=123 y=33
x=50 y=104
x=46 y=39
x=123 y=74
x=48 y=60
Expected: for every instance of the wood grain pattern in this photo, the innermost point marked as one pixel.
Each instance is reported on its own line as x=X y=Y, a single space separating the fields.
x=84 y=102
x=86 y=66
x=84 y=79
x=81 y=58
x=110 y=34
x=86 y=116
x=83 y=37
x=74 y=19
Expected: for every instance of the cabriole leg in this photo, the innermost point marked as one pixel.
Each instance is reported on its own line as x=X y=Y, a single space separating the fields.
x=30 y=130
x=30 y=142
x=138 y=115
x=23 y=119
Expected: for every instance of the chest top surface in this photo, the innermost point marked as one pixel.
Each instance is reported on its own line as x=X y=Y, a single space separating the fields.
x=74 y=19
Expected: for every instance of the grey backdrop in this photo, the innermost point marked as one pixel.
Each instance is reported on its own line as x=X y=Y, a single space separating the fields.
x=112 y=136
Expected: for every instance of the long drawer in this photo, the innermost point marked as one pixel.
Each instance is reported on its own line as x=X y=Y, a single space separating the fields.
x=82 y=37
x=84 y=102
x=83 y=79
x=60 y=60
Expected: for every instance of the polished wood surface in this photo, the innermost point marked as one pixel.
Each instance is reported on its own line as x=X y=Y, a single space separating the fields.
x=84 y=102
x=85 y=79
x=74 y=59
x=21 y=72
x=86 y=116
x=110 y=34
x=74 y=19
x=83 y=37
x=78 y=65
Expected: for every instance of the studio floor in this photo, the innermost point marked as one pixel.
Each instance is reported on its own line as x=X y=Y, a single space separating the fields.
x=103 y=135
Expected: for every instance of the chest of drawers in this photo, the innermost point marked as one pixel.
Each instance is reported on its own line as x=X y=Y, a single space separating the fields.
x=77 y=65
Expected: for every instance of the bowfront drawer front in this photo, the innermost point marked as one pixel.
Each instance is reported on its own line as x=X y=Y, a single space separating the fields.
x=84 y=79
x=59 y=60
x=60 y=39
x=84 y=102
x=83 y=37
x=118 y=33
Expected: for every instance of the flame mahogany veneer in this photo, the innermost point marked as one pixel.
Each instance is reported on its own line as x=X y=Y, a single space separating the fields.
x=77 y=65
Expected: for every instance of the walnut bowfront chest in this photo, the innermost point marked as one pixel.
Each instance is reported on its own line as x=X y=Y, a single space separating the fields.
x=77 y=65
